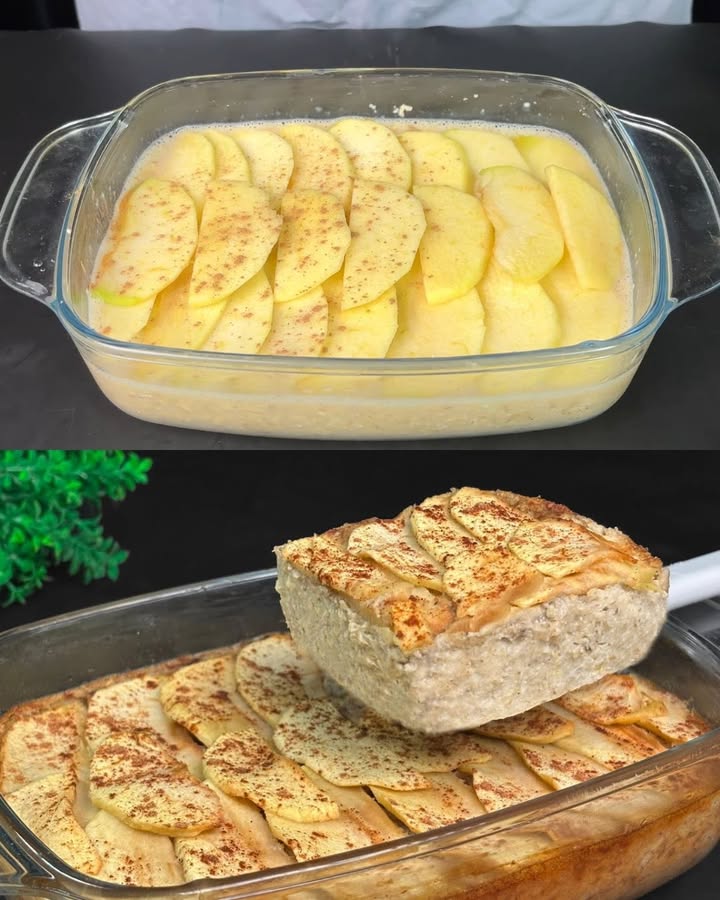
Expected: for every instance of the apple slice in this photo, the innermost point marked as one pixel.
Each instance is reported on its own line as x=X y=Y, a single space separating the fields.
x=365 y=332
x=201 y=697
x=46 y=807
x=584 y=314
x=447 y=800
x=456 y=245
x=543 y=150
x=557 y=767
x=123 y=323
x=518 y=316
x=591 y=228
x=485 y=515
x=173 y=323
x=238 y=230
x=134 y=777
x=558 y=547
x=39 y=743
x=484 y=585
x=387 y=225
x=484 y=149
x=151 y=240
x=273 y=675
x=455 y=328
x=375 y=151
x=321 y=163
x=312 y=245
x=230 y=162
x=437 y=533
x=245 y=318
x=270 y=158
x=299 y=327
x=502 y=779
x=678 y=723
x=245 y=765
x=389 y=543
x=133 y=857
x=342 y=751
x=436 y=159
x=536 y=726
x=134 y=705
x=614 y=699
x=187 y=158
x=528 y=238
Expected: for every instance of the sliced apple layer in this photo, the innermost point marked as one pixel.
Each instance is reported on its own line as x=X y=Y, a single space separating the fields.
x=382 y=239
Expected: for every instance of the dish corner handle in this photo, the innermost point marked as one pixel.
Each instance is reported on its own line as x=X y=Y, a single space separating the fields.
x=33 y=213
x=688 y=192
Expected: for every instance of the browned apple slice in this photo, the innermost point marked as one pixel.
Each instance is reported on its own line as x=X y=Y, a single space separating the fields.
x=202 y=698
x=678 y=723
x=226 y=850
x=134 y=705
x=536 y=726
x=605 y=744
x=273 y=675
x=39 y=743
x=244 y=765
x=133 y=857
x=46 y=807
x=344 y=752
x=559 y=768
x=134 y=777
x=485 y=516
x=485 y=584
x=502 y=779
x=388 y=542
x=613 y=700
x=447 y=800
x=558 y=547
x=437 y=532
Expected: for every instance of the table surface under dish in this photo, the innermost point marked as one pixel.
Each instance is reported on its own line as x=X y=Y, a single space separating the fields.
x=48 y=398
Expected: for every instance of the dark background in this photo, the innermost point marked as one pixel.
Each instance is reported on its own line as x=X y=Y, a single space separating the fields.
x=204 y=515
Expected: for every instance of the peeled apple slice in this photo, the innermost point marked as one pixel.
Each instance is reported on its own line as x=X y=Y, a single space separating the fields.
x=187 y=158
x=486 y=148
x=270 y=158
x=541 y=151
x=238 y=230
x=436 y=159
x=230 y=161
x=518 y=316
x=245 y=318
x=528 y=238
x=321 y=164
x=299 y=327
x=591 y=228
x=151 y=240
x=387 y=224
x=312 y=245
x=364 y=332
x=456 y=245
x=375 y=152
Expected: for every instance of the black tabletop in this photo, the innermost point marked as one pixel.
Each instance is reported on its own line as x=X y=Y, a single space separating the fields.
x=203 y=517
x=47 y=398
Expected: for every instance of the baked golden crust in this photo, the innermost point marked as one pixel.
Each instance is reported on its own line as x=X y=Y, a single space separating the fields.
x=466 y=559
x=272 y=812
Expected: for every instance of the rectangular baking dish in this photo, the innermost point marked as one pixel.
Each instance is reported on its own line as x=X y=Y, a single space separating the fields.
x=599 y=839
x=666 y=194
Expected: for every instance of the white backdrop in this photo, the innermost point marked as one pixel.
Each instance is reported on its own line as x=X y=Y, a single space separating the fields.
x=269 y=14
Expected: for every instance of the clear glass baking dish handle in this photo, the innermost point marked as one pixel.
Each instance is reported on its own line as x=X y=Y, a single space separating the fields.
x=32 y=216
x=688 y=192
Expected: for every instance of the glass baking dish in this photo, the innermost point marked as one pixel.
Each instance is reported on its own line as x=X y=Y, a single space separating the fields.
x=617 y=836
x=665 y=191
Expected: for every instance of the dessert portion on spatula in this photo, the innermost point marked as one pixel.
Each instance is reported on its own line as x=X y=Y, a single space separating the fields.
x=471 y=606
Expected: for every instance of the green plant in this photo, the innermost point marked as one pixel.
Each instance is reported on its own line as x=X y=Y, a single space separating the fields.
x=51 y=514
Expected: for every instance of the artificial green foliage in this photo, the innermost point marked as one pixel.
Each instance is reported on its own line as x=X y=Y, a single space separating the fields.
x=51 y=514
